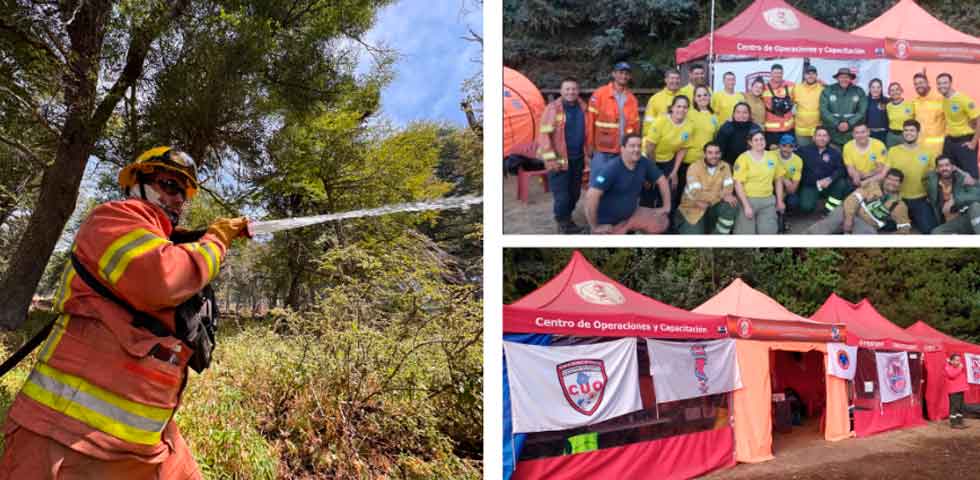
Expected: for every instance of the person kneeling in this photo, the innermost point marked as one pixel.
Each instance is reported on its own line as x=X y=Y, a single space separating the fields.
x=756 y=173
x=612 y=201
x=955 y=201
x=708 y=204
x=824 y=174
x=875 y=207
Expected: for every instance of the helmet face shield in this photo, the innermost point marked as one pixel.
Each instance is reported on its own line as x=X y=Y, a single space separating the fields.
x=162 y=158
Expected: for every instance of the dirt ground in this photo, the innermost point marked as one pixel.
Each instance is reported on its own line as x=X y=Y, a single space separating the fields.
x=930 y=452
x=536 y=217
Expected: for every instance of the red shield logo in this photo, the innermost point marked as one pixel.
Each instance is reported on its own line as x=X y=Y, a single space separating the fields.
x=583 y=382
x=895 y=375
x=975 y=362
x=745 y=328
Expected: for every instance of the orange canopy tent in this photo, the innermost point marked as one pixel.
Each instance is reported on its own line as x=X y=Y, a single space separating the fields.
x=937 y=401
x=761 y=325
x=523 y=107
x=917 y=41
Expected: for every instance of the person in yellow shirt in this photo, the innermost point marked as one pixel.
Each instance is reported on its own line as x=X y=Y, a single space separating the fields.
x=666 y=141
x=723 y=101
x=789 y=173
x=660 y=102
x=705 y=123
x=962 y=134
x=755 y=175
x=698 y=77
x=915 y=161
x=899 y=110
x=929 y=114
x=754 y=100
x=865 y=157
x=806 y=96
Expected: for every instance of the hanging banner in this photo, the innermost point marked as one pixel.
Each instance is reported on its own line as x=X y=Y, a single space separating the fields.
x=972 y=368
x=747 y=71
x=693 y=369
x=864 y=69
x=558 y=388
x=894 y=379
x=841 y=360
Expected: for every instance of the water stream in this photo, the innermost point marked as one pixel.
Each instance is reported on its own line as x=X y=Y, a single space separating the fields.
x=269 y=226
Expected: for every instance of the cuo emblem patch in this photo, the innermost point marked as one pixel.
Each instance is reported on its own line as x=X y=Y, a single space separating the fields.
x=895 y=375
x=583 y=382
x=975 y=361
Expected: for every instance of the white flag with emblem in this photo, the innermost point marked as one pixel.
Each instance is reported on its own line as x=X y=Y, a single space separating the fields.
x=693 y=369
x=972 y=368
x=841 y=360
x=894 y=381
x=558 y=388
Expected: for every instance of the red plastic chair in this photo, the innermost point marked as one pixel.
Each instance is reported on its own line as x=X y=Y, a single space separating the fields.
x=524 y=180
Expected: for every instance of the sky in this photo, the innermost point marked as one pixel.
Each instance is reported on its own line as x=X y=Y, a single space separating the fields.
x=434 y=59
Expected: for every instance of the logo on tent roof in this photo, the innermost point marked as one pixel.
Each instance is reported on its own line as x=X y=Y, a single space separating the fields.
x=599 y=293
x=781 y=19
x=583 y=382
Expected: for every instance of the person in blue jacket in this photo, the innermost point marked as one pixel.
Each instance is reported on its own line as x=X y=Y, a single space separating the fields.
x=824 y=174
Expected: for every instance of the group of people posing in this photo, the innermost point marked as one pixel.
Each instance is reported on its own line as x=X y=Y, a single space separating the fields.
x=726 y=161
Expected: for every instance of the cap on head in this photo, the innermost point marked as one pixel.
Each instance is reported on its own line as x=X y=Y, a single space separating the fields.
x=787 y=139
x=810 y=69
x=622 y=66
x=161 y=158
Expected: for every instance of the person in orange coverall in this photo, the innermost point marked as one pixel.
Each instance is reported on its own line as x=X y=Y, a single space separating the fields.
x=99 y=402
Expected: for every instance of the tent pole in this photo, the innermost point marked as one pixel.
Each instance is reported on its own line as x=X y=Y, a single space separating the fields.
x=711 y=46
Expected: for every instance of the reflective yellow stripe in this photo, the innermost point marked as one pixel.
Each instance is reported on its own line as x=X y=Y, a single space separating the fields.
x=593 y=109
x=54 y=338
x=213 y=248
x=208 y=258
x=548 y=156
x=547 y=128
x=606 y=124
x=122 y=251
x=773 y=125
x=64 y=289
x=95 y=407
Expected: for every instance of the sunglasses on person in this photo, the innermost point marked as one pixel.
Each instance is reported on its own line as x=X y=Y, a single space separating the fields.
x=171 y=186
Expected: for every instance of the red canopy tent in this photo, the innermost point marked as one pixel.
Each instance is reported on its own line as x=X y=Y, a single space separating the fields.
x=773 y=28
x=582 y=302
x=869 y=330
x=765 y=332
x=917 y=41
x=523 y=107
x=937 y=401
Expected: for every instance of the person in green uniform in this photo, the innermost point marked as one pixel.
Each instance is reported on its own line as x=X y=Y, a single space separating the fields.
x=842 y=105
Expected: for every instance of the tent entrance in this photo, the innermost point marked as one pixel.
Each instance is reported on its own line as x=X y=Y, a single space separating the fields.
x=799 y=398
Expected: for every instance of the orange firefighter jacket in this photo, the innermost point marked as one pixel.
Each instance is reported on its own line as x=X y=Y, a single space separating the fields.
x=602 y=118
x=551 y=138
x=778 y=123
x=102 y=386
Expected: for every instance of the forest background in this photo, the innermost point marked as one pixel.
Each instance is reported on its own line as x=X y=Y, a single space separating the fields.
x=346 y=350
x=547 y=40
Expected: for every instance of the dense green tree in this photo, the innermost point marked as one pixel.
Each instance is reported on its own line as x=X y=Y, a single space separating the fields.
x=550 y=39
